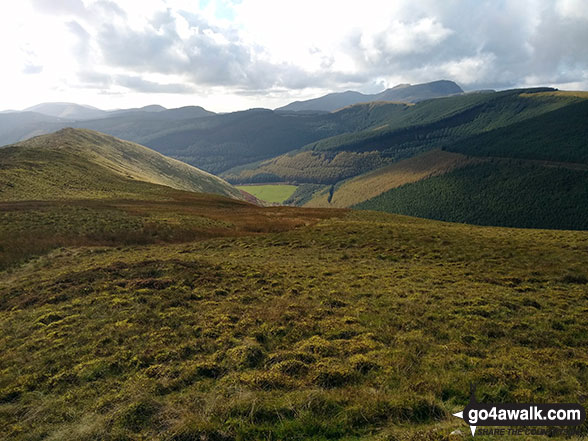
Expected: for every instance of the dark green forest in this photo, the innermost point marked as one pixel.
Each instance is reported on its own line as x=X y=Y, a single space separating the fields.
x=561 y=135
x=495 y=194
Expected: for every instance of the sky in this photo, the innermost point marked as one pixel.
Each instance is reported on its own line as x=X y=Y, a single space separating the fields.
x=228 y=55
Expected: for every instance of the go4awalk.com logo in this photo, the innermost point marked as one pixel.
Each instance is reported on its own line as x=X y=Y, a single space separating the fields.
x=478 y=414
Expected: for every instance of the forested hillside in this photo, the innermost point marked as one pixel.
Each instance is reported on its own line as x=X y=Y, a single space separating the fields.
x=402 y=131
x=495 y=193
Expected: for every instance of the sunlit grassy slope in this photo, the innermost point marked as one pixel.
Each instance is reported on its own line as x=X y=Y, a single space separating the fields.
x=369 y=326
x=82 y=164
x=276 y=193
x=372 y=184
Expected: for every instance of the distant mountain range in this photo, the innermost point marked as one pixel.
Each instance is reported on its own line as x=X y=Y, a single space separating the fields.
x=81 y=112
x=523 y=150
x=67 y=111
x=404 y=93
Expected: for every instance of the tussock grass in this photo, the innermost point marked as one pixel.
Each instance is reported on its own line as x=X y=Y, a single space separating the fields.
x=370 y=326
x=32 y=228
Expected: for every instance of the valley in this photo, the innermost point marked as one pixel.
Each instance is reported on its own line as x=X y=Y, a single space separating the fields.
x=252 y=220
x=144 y=298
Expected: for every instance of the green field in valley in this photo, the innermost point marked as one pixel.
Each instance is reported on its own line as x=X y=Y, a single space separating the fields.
x=277 y=193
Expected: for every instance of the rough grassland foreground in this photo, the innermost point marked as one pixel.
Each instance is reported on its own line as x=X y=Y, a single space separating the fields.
x=370 y=326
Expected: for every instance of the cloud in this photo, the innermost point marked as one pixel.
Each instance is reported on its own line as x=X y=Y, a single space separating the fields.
x=478 y=44
x=292 y=50
x=401 y=39
x=139 y=84
x=68 y=7
x=83 y=39
x=94 y=80
x=206 y=55
x=31 y=69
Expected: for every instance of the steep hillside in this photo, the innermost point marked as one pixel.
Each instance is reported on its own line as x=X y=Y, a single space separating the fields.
x=402 y=131
x=561 y=135
x=219 y=142
x=405 y=93
x=496 y=192
x=371 y=184
x=75 y=164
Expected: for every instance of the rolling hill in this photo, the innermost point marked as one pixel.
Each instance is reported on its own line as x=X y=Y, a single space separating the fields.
x=78 y=164
x=532 y=173
x=16 y=126
x=70 y=111
x=130 y=124
x=401 y=131
x=405 y=93
x=371 y=149
x=194 y=135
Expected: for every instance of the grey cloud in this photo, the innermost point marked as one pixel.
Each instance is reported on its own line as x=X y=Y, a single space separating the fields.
x=82 y=48
x=480 y=44
x=31 y=69
x=72 y=7
x=94 y=80
x=560 y=46
x=522 y=39
x=99 y=80
x=204 y=60
x=145 y=51
x=201 y=57
x=138 y=84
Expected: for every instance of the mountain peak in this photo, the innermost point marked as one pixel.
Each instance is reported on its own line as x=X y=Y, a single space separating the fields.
x=153 y=108
x=67 y=110
x=406 y=93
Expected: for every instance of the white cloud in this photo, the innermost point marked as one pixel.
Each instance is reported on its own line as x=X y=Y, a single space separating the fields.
x=572 y=8
x=469 y=70
x=233 y=53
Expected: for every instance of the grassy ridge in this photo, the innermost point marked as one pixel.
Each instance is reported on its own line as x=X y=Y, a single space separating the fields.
x=368 y=327
x=498 y=193
x=76 y=163
x=444 y=120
